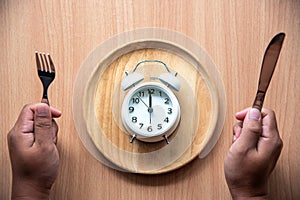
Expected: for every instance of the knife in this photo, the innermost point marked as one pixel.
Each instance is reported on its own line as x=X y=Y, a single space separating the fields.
x=267 y=69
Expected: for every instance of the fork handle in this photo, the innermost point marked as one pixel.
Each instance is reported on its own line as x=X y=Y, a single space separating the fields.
x=45 y=92
x=46 y=101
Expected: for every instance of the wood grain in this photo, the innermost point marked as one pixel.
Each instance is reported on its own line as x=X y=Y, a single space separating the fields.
x=235 y=35
x=194 y=129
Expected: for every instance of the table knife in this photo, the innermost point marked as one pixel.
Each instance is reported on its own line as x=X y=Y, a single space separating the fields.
x=268 y=66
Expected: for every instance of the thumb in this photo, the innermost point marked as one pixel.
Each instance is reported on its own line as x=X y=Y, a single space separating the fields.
x=43 y=124
x=252 y=128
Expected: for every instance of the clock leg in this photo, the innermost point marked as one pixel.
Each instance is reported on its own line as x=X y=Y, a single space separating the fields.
x=166 y=139
x=132 y=138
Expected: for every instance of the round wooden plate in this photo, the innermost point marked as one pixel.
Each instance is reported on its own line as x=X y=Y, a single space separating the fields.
x=97 y=101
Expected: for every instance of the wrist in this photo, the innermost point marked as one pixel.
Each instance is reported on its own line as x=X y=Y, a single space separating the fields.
x=249 y=195
x=265 y=197
x=25 y=190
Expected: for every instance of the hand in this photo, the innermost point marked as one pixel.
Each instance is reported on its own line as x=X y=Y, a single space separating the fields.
x=33 y=153
x=253 y=155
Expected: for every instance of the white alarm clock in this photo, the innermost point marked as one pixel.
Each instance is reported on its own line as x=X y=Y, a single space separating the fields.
x=150 y=110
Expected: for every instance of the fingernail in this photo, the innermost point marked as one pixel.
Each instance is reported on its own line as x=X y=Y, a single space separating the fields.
x=254 y=114
x=42 y=111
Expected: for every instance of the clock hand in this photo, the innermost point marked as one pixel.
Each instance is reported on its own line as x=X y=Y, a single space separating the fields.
x=150 y=109
x=150 y=100
x=142 y=101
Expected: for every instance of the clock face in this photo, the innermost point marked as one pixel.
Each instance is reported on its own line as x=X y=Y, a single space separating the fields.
x=150 y=111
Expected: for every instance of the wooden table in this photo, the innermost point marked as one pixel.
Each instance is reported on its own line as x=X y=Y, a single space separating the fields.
x=235 y=35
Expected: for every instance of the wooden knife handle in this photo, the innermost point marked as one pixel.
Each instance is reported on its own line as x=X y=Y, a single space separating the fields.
x=259 y=100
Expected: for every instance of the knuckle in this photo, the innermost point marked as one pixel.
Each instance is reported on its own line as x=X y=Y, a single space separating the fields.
x=271 y=111
x=279 y=143
x=272 y=114
x=26 y=106
x=268 y=110
x=54 y=124
x=238 y=152
x=43 y=124
x=255 y=128
x=10 y=136
x=276 y=138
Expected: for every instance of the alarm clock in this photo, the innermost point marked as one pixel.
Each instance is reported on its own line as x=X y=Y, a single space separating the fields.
x=150 y=110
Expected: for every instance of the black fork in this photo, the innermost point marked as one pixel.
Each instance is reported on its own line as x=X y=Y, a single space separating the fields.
x=46 y=72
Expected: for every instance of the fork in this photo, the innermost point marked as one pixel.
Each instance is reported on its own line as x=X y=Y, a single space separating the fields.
x=46 y=72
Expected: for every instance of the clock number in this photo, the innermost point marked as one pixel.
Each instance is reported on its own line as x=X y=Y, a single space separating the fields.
x=135 y=100
x=166 y=120
x=141 y=125
x=169 y=111
x=131 y=109
x=167 y=100
x=159 y=126
x=151 y=91
x=141 y=93
x=134 y=119
x=160 y=93
x=149 y=129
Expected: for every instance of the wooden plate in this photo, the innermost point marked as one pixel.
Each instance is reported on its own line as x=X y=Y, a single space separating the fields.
x=97 y=102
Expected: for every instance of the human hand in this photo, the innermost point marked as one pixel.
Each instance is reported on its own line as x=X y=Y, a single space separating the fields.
x=33 y=153
x=253 y=155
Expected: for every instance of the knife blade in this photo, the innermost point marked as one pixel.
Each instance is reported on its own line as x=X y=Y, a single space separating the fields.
x=267 y=69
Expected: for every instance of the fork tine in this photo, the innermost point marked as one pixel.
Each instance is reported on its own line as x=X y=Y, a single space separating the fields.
x=46 y=63
x=43 y=63
x=51 y=63
x=38 y=64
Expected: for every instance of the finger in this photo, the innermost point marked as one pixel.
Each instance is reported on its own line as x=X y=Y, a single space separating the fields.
x=270 y=142
x=237 y=129
x=251 y=130
x=55 y=112
x=269 y=121
x=242 y=114
x=22 y=132
x=18 y=139
x=24 y=123
x=42 y=124
x=25 y=119
x=54 y=131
